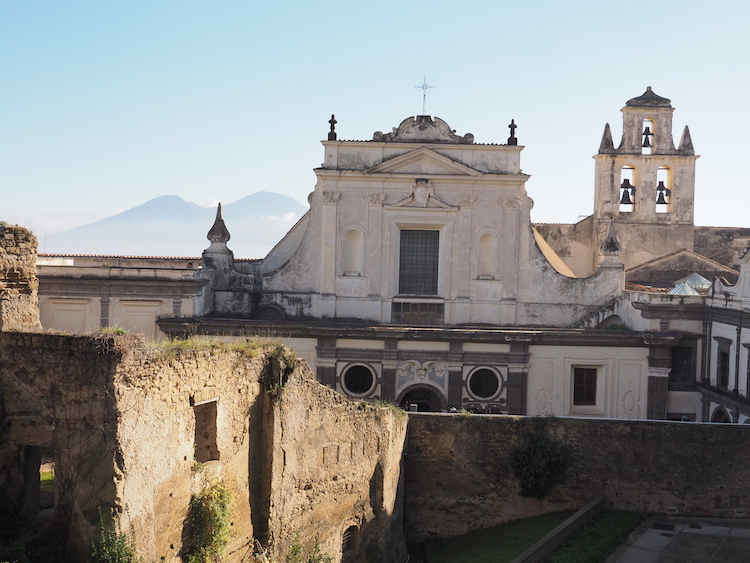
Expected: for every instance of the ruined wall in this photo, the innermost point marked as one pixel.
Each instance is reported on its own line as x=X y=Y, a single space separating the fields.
x=458 y=477
x=18 y=282
x=187 y=416
x=137 y=430
x=56 y=392
x=340 y=468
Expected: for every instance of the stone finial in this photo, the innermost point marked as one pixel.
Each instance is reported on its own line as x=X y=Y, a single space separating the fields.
x=332 y=134
x=610 y=246
x=219 y=231
x=686 y=143
x=512 y=139
x=607 y=146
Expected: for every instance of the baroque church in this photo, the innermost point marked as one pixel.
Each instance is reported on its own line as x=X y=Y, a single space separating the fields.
x=417 y=277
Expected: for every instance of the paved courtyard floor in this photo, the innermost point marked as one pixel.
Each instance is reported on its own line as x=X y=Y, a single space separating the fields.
x=687 y=541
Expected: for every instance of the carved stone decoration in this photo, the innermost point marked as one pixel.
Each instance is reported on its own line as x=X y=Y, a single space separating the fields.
x=512 y=203
x=331 y=198
x=467 y=202
x=423 y=128
x=422 y=195
x=376 y=199
x=421 y=192
x=431 y=370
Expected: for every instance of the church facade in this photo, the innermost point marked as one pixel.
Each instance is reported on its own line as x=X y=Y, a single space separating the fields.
x=417 y=277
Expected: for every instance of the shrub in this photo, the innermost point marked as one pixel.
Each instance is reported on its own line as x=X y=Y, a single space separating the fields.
x=112 y=545
x=537 y=462
x=208 y=523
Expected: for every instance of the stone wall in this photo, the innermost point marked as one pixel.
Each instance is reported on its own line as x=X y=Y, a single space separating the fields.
x=458 y=477
x=18 y=282
x=137 y=430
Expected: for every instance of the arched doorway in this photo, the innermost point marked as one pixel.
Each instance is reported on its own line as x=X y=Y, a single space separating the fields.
x=424 y=398
x=720 y=415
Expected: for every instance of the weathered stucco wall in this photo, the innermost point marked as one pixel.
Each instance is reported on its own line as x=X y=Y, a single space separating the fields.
x=18 y=282
x=458 y=477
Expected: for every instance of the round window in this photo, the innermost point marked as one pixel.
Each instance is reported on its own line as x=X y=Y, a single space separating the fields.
x=484 y=383
x=358 y=380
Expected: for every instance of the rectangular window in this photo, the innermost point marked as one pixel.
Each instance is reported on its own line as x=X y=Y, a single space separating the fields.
x=418 y=262
x=722 y=367
x=682 y=367
x=584 y=386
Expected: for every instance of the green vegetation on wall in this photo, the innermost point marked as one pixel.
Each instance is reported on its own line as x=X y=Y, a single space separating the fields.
x=208 y=523
x=538 y=463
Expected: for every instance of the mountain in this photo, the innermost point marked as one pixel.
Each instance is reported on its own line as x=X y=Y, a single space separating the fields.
x=170 y=226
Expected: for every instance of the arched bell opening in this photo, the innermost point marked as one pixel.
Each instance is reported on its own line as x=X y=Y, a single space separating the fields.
x=627 y=189
x=647 y=137
x=663 y=189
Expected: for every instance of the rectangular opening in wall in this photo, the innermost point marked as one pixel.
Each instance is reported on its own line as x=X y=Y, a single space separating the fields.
x=47 y=479
x=205 y=431
x=681 y=374
x=584 y=386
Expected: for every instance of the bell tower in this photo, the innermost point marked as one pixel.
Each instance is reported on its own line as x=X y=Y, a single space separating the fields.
x=646 y=185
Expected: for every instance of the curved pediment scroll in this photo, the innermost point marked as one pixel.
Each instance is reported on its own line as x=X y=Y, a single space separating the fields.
x=423 y=128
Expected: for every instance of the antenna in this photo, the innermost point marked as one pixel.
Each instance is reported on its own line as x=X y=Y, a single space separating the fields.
x=424 y=87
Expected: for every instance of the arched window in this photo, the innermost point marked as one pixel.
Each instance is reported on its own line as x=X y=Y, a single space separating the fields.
x=663 y=189
x=627 y=189
x=487 y=257
x=350 y=540
x=352 y=253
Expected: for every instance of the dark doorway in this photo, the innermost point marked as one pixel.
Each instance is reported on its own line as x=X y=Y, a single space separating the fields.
x=424 y=399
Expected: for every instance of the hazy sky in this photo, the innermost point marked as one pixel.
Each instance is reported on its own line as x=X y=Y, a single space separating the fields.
x=106 y=105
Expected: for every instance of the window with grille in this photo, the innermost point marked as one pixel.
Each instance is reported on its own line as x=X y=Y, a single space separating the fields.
x=418 y=262
x=584 y=386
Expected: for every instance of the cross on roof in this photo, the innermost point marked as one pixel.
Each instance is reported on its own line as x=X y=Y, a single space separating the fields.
x=424 y=87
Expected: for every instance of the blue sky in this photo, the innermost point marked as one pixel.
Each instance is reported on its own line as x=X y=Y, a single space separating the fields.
x=107 y=105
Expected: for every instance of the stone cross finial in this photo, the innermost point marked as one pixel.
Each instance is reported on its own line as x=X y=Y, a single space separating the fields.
x=333 y=122
x=512 y=139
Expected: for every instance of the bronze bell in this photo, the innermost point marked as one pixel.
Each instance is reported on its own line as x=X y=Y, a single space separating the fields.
x=661 y=193
x=646 y=137
x=627 y=189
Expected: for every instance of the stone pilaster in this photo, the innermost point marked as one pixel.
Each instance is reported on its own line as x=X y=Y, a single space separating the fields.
x=388 y=382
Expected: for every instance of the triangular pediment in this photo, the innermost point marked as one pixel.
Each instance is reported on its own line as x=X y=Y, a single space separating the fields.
x=422 y=161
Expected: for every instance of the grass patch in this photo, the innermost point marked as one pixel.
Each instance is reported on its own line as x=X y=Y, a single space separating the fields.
x=598 y=540
x=47 y=480
x=495 y=545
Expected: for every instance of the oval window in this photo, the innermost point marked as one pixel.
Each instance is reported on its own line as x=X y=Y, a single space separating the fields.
x=484 y=383
x=358 y=380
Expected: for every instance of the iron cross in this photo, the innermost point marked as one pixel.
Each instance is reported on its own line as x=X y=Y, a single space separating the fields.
x=424 y=87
